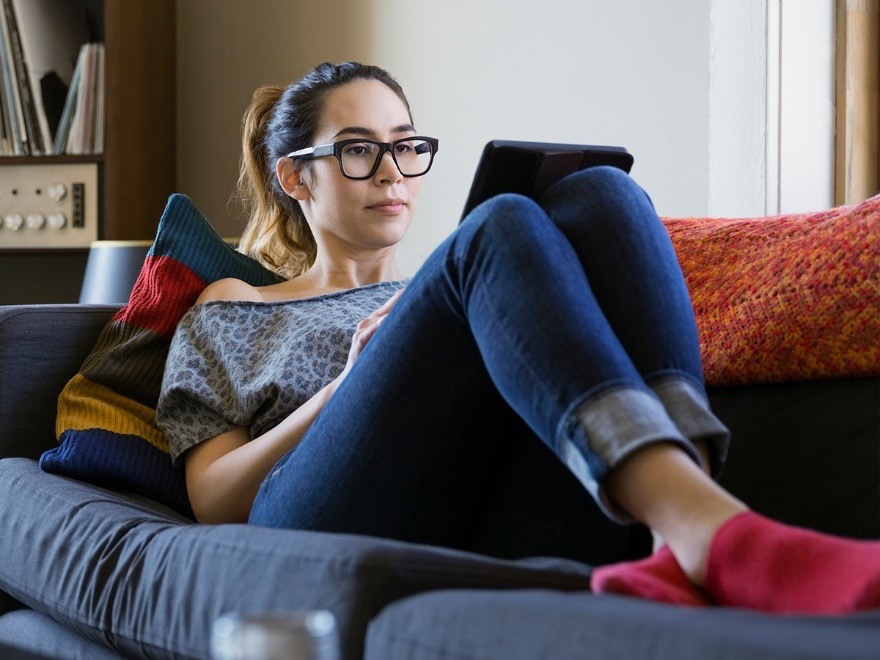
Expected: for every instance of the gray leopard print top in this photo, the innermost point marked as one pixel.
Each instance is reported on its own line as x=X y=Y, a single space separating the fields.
x=253 y=363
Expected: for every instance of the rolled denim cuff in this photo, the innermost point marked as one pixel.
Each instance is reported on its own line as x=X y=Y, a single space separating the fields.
x=688 y=408
x=609 y=427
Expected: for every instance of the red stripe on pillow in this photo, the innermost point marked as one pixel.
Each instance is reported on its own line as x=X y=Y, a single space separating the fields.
x=163 y=292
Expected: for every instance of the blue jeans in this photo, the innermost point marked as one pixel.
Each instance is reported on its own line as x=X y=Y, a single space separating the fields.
x=565 y=322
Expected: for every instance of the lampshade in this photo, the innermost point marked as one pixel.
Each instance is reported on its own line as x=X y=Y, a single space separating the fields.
x=111 y=270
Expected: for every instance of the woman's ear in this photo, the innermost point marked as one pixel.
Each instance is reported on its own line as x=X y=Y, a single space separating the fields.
x=291 y=179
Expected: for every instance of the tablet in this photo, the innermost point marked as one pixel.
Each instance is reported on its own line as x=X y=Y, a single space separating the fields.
x=529 y=168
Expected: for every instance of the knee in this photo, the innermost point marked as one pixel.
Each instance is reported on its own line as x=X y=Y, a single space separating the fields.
x=504 y=220
x=602 y=179
x=597 y=196
x=503 y=214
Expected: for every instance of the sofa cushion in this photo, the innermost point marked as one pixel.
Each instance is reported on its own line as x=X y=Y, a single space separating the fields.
x=524 y=625
x=147 y=584
x=786 y=297
x=106 y=422
x=36 y=633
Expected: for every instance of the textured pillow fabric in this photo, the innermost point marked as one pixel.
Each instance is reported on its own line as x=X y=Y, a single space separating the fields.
x=106 y=423
x=787 y=297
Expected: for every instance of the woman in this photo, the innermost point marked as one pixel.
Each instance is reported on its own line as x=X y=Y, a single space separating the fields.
x=571 y=315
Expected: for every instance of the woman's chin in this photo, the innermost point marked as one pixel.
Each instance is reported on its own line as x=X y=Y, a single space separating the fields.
x=387 y=233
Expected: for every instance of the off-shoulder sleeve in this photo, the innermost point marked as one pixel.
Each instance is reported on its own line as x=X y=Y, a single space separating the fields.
x=198 y=400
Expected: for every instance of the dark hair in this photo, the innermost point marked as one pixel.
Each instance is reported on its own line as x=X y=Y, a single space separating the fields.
x=277 y=122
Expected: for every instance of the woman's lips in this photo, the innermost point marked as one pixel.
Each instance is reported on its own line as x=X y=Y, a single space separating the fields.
x=389 y=206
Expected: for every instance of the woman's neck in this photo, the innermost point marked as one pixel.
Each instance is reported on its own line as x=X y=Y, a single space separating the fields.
x=334 y=275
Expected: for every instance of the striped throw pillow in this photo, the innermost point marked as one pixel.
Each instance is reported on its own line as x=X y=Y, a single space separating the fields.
x=106 y=423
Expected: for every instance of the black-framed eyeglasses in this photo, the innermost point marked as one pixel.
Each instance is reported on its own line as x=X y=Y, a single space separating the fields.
x=359 y=158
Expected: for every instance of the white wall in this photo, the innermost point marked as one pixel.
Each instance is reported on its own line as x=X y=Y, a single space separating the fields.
x=807 y=98
x=738 y=122
x=621 y=73
x=681 y=83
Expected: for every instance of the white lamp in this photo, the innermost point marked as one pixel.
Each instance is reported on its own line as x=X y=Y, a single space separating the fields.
x=111 y=271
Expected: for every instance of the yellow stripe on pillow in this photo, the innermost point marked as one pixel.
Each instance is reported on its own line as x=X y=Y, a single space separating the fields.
x=84 y=405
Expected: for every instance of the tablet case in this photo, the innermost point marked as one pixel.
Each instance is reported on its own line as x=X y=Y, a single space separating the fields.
x=530 y=168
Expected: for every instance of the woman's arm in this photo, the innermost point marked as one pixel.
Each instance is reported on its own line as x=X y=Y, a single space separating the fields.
x=224 y=473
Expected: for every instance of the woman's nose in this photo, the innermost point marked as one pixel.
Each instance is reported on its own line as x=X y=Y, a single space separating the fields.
x=388 y=171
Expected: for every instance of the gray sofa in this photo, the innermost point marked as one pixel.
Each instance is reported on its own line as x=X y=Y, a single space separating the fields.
x=87 y=572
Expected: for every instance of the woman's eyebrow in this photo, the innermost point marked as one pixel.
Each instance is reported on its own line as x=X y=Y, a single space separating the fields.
x=367 y=132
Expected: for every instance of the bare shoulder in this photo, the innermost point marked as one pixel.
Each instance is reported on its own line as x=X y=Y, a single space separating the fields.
x=229 y=289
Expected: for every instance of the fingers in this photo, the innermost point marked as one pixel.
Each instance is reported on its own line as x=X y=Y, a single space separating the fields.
x=370 y=330
x=385 y=308
x=367 y=328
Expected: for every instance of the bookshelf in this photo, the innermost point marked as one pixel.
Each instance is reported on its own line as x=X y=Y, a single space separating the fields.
x=136 y=171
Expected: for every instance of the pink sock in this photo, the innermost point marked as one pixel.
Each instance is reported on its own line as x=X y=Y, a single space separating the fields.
x=761 y=564
x=658 y=577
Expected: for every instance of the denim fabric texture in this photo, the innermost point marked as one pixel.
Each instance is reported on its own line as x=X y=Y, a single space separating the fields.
x=567 y=314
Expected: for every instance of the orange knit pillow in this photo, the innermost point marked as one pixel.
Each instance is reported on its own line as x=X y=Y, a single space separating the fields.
x=786 y=297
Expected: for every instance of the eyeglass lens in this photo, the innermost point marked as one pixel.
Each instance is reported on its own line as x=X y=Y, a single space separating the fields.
x=413 y=157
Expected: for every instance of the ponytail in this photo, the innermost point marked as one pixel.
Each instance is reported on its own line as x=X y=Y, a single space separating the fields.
x=276 y=234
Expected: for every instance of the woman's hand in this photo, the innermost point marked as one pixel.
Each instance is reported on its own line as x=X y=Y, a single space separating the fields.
x=365 y=331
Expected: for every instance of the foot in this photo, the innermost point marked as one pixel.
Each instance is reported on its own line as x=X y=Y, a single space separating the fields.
x=761 y=564
x=658 y=578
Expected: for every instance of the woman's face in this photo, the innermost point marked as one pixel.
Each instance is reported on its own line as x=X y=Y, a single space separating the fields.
x=368 y=214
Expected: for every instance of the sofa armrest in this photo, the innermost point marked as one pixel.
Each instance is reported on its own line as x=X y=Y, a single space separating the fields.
x=41 y=348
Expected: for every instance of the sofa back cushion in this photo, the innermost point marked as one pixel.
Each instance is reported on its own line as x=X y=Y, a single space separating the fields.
x=41 y=347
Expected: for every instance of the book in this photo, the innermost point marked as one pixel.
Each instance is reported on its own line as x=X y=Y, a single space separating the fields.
x=61 y=136
x=31 y=135
x=82 y=138
x=98 y=142
x=5 y=143
x=51 y=34
x=76 y=141
x=11 y=98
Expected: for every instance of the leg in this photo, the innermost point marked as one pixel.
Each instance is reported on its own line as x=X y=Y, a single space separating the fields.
x=632 y=268
x=659 y=485
x=628 y=258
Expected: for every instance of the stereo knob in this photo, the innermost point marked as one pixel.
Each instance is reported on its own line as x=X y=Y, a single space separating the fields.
x=57 y=191
x=13 y=221
x=35 y=221
x=56 y=220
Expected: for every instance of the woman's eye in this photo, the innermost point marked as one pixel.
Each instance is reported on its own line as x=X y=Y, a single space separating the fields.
x=403 y=147
x=360 y=149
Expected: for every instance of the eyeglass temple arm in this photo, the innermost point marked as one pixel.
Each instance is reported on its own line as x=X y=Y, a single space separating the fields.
x=312 y=152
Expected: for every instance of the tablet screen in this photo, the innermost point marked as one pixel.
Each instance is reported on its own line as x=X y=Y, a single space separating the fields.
x=530 y=168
